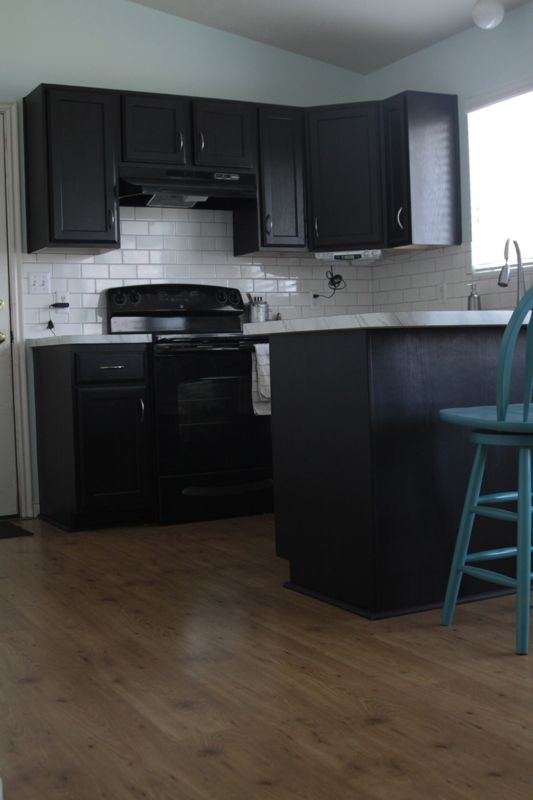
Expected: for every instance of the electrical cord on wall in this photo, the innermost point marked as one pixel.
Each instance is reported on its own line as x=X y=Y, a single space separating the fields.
x=50 y=324
x=335 y=282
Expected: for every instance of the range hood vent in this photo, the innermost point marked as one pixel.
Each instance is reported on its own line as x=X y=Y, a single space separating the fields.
x=357 y=256
x=186 y=188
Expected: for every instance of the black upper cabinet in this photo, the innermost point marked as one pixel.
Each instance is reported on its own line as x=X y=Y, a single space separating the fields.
x=156 y=128
x=71 y=168
x=225 y=133
x=422 y=169
x=378 y=173
x=281 y=149
x=346 y=186
x=277 y=220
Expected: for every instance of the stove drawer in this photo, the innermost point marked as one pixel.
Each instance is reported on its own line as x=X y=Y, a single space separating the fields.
x=110 y=366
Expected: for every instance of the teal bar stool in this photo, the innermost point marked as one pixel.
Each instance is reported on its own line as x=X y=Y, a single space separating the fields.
x=502 y=425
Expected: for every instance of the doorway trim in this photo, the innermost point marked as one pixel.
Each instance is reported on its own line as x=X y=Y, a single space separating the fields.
x=14 y=255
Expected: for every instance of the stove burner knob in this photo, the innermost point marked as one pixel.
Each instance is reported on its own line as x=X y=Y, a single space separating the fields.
x=235 y=298
x=222 y=297
x=135 y=296
x=119 y=298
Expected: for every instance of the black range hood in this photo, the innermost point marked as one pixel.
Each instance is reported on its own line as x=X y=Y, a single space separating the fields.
x=170 y=187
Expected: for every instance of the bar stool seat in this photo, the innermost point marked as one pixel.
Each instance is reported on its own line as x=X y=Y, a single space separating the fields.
x=502 y=425
x=485 y=418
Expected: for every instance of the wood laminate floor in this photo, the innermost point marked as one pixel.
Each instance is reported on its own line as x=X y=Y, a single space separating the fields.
x=170 y=664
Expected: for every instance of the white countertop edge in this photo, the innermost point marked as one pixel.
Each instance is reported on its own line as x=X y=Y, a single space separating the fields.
x=115 y=338
x=381 y=319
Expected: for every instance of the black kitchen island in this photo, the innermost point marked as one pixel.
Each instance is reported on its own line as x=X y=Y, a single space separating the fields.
x=368 y=481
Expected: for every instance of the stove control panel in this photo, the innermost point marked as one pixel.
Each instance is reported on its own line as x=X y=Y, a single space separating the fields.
x=158 y=308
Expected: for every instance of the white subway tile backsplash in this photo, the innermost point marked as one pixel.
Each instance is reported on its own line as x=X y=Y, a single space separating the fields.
x=149 y=271
x=150 y=242
x=161 y=228
x=175 y=272
x=95 y=270
x=136 y=257
x=148 y=213
x=195 y=246
x=84 y=285
x=121 y=271
x=66 y=270
x=136 y=228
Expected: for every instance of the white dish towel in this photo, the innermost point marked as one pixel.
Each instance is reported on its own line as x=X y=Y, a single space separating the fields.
x=261 y=379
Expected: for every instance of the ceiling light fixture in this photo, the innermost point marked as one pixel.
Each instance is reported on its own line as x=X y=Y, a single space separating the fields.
x=488 y=14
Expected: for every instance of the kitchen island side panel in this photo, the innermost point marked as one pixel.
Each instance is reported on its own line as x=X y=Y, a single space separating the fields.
x=422 y=464
x=322 y=463
x=369 y=483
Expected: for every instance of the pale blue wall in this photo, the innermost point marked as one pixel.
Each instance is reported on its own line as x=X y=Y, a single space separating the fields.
x=118 y=44
x=479 y=66
x=472 y=64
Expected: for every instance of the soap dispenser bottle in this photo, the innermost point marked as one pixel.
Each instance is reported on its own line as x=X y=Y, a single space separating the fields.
x=474 y=299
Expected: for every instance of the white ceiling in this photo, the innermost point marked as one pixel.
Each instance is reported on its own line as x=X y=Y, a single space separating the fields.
x=360 y=35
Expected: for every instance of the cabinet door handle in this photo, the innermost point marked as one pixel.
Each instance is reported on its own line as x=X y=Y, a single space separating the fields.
x=181 y=142
x=316 y=227
x=202 y=142
x=111 y=215
x=398 y=218
x=268 y=224
x=141 y=403
x=112 y=366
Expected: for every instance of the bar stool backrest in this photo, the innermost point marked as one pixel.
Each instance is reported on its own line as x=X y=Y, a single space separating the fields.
x=505 y=359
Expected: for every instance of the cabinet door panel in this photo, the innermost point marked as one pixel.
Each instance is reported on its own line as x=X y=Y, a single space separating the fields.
x=397 y=172
x=114 y=460
x=346 y=176
x=225 y=134
x=422 y=169
x=282 y=186
x=156 y=129
x=82 y=136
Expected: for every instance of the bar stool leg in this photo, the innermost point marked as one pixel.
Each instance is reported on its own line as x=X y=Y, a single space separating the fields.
x=463 y=534
x=523 y=561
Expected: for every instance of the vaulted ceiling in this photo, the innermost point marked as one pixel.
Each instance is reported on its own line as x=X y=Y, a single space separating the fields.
x=360 y=35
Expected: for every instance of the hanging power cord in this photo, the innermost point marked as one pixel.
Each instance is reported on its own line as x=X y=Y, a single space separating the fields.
x=335 y=282
x=50 y=324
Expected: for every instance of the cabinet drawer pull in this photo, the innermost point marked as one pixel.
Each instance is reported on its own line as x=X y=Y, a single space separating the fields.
x=398 y=220
x=268 y=224
x=316 y=227
x=112 y=366
x=180 y=142
x=202 y=142
x=141 y=403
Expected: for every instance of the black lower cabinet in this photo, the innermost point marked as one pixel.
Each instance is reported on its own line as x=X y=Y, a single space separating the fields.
x=93 y=417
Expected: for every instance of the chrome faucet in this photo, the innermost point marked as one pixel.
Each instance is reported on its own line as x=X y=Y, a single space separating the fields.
x=504 y=277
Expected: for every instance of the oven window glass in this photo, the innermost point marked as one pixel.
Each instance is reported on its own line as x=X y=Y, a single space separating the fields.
x=205 y=420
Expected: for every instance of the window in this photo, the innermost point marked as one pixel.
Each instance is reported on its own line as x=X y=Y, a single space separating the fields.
x=500 y=140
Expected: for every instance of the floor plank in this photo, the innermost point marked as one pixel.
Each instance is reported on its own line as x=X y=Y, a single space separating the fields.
x=171 y=664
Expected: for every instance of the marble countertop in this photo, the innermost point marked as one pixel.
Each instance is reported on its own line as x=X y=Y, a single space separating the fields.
x=116 y=338
x=382 y=319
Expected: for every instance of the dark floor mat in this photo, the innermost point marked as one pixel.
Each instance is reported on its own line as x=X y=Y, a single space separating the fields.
x=9 y=531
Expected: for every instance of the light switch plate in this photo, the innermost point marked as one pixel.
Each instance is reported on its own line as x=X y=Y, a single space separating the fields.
x=39 y=282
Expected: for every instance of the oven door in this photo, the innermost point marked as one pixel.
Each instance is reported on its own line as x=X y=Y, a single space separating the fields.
x=213 y=453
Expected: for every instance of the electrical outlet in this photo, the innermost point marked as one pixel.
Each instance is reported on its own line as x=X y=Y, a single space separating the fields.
x=39 y=282
x=61 y=297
